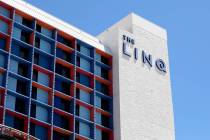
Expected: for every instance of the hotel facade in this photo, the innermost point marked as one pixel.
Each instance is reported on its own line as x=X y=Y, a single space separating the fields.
x=60 y=83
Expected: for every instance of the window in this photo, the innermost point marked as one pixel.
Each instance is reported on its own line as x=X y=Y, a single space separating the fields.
x=17 y=85
x=82 y=128
x=62 y=85
x=5 y=12
x=14 y=122
x=23 y=21
x=16 y=104
x=63 y=104
x=2 y=60
x=40 y=95
x=101 y=135
x=103 y=103
x=38 y=131
x=82 y=112
x=21 y=51
x=102 y=120
x=21 y=35
x=43 y=45
x=83 y=95
x=102 y=59
x=44 y=61
x=41 y=78
x=100 y=87
x=3 y=43
x=3 y=27
x=64 y=41
x=19 y=68
x=64 y=55
x=2 y=79
x=84 y=50
x=40 y=112
x=64 y=71
x=84 y=64
x=102 y=72
x=61 y=121
x=83 y=79
x=43 y=30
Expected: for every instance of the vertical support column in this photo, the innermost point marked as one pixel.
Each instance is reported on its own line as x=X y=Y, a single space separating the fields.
x=53 y=86
x=94 y=94
x=75 y=79
x=31 y=76
x=8 y=63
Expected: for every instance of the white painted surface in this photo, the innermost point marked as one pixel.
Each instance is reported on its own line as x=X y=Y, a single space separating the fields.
x=142 y=96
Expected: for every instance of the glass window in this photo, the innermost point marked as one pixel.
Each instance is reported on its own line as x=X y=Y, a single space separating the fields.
x=38 y=131
x=100 y=87
x=102 y=103
x=43 y=45
x=43 y=61
x=83 y=79
x=83 y=112
x=14 y=122
x=40 y=112
x=40 y=95
x=101 y=135
x=62 y=104
x=84 y=50
x=83 y=95
x=3 y=26
x=1 y=79
x=41 y=78
x=84 y=64
x=82 y=129
x=64 y=41
x=43 y=30
x=4 y=12
x=2 y=43
x=16 y=104
x=23 y=21
x=2 y=61
x=104 y=73
x=61 y=121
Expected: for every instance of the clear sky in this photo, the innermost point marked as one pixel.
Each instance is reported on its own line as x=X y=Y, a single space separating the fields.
x=188 y=25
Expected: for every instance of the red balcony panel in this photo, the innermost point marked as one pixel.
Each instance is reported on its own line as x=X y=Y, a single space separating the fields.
x=62 y=131
x=102 y=80
x=84 y=72
x=46 y=125
x=63 y=113
x=82 y=87
x=45 y=25
x=63 y=96
x=64 y=47
x=35 y=84
x=103 y=112
x=25 y=15
x=107 y=130
x=79 y=137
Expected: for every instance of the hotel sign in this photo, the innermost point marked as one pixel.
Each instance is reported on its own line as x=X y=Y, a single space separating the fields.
x=146 y=58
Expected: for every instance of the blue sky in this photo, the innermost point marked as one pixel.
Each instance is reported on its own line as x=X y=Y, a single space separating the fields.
x=188 y=25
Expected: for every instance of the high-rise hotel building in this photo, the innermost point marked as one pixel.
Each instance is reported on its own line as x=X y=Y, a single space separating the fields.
x=60 y=83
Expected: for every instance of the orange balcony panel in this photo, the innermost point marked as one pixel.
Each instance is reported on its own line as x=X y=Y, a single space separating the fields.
x=64 y=47
x=62 y=131
x=102 y=80
x=35 y=84
x=63 y=96
x=82 y=87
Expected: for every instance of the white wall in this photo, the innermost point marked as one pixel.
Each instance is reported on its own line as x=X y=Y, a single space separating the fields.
x=142 y=95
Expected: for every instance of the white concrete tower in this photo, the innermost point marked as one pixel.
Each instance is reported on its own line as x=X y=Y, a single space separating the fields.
x=143 y=107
